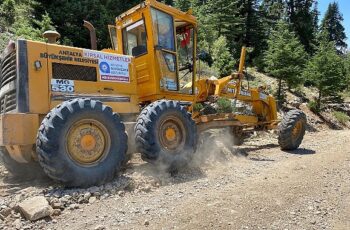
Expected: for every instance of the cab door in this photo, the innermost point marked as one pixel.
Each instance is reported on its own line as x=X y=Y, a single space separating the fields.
x=165 y=49
x=135 y=43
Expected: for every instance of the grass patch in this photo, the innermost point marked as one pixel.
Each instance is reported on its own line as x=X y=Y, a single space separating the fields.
x=342 y=117
x=313 y=106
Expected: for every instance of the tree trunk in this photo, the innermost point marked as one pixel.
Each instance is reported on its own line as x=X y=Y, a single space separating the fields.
x=279 y=93
x=319 y=100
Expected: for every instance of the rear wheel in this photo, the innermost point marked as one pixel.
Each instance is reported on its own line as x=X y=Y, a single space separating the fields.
x=166 y=134
x=292 y=130
x=81 y=143
x=28 y=171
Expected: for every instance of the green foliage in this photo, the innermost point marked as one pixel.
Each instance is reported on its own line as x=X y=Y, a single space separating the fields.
x=224 y=105
x=302 y=17
x=347 y=69
x=197 y=107
x=18 y=20
x=285 y=57
x=326 y=70
x=223 y=61
x=7 y=14
x=183 y=5
x=314 y=107
x=332 y=24
x=342 y=117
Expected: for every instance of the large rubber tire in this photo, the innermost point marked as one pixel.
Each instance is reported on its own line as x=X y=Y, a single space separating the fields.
x=25 y=171
x=53 y=150
x=148 y=131
x=291 y=130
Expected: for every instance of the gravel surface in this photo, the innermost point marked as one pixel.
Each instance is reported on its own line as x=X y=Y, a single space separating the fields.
x=254 y=186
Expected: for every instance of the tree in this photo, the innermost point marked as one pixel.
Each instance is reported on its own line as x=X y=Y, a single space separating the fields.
x=183 y=5
x=18 y=17
x=223 y=61
x=332 y=24
x=326 y=70
x=253 y=32
x=224 y=16
x=285 y=57
x=301 y=17
x=347 y=69
x=7 y=14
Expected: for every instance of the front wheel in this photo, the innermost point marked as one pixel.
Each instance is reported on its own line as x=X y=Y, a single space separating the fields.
x=165 y=133
x=291 y=130
x=81 y=143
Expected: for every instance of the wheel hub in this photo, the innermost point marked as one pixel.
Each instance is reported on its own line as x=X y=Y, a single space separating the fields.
x=87 y=142
x=297 y=129
x=172 y=134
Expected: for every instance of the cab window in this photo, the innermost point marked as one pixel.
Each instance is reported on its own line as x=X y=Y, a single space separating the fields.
x=164 y=28
x=135 y=39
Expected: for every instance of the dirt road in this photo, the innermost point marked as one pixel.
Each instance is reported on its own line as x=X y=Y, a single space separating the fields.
x=263 y=188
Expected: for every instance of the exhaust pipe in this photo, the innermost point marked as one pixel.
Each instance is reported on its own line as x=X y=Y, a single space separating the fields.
x=92 y=30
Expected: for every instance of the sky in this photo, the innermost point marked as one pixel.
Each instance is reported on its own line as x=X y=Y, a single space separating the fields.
x=344 y=7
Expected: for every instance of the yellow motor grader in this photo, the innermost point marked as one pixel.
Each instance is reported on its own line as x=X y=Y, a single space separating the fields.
x=72 y=111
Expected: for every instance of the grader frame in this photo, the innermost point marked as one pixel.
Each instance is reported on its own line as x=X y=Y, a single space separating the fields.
x=77 y=111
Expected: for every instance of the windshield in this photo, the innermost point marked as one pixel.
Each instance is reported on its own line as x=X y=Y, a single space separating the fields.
x=185 y=39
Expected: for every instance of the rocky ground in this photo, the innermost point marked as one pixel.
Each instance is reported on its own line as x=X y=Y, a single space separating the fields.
x=254 y=186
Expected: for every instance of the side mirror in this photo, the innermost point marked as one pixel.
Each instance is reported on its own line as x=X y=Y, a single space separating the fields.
x=205 y=57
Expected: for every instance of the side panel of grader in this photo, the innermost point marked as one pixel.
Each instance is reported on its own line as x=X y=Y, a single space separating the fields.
x=43 y=76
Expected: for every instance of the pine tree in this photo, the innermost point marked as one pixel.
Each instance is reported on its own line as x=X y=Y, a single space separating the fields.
x=285 y=57
x=326 y=70
x=332 y=24
x=300 y=16
x=223 y=15
x=223 y=61
x=254 y=34
x=183 y=5
x=273 y=11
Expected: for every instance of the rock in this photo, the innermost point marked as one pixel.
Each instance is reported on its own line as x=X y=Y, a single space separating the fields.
x=17 y=224
x=19 y=197
x=146 y=223
x=15 y=215
x=35 y=208
x=87 y=196
x=81 y=200
x=73 y=206
x=57 y=205
x=100 y=227
x=94 y=189
x=121 y=193
x=92 y=200
x=56 y=212
x=6 y=212
x=97 y=194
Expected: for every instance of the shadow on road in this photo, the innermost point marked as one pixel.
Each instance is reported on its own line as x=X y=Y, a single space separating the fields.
x=302 y=151
x=244 y=151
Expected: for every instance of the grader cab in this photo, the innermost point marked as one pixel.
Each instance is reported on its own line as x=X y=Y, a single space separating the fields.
x=76 y=112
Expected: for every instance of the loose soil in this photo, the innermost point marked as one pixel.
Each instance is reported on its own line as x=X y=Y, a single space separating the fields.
x=254 y=186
